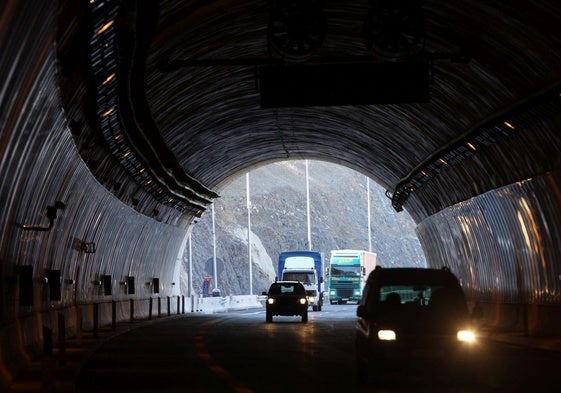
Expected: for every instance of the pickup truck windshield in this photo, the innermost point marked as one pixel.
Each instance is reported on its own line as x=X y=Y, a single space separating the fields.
x=345 y=270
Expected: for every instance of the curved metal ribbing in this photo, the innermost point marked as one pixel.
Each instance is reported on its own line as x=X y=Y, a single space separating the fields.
x=545 y=105
x=40 y=168
x=116 y=50
x=502 y=243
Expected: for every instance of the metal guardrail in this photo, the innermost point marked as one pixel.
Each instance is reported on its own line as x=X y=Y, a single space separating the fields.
x=92 y=317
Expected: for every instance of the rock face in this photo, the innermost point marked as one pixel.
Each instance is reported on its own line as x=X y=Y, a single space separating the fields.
x=338 y=220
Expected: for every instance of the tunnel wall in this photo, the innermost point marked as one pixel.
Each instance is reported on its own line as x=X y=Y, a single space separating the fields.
x=61 y=232
x=505 y=246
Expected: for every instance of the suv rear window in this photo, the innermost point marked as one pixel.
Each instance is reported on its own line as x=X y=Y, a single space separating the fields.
x=283 y=289
x=418 y=294
x=415 y=293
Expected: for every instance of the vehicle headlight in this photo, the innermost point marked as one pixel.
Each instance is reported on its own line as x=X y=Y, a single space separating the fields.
x=303 y=300
x=311 y=299
x=332 y=292
x=466 y=336
x=357 y=293
x=386 y=335
x=270 y=300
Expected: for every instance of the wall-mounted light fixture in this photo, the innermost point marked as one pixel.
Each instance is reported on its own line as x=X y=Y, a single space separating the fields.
x=107 y=287
x=546 y=104
x=134 y=150
x=55 y=290
x=130 y=285
x=88 y=247
x=51 y=216
x=25 y=280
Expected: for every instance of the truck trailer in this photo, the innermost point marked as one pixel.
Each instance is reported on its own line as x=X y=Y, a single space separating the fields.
x=347 y=274
x=306 y=267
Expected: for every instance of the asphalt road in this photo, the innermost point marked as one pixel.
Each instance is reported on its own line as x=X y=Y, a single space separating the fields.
x=239 y=352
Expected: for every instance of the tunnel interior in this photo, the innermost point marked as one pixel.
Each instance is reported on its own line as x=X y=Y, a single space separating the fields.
x=123 y=120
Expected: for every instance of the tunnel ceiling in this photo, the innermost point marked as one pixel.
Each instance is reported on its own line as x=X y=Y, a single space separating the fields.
x=437 y=101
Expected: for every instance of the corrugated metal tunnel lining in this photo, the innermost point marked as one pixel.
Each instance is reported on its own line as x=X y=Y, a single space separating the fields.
x=488 y=123
x=494 y=216
x=386 y=141
x=196 y=72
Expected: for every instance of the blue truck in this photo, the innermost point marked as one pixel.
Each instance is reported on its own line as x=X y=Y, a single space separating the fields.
x=307 y=268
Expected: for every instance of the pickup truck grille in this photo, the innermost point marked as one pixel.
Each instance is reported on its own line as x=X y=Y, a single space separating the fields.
x=345 y=292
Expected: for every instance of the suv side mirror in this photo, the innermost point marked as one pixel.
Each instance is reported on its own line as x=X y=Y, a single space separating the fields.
x=264 y=293
x=361 y=311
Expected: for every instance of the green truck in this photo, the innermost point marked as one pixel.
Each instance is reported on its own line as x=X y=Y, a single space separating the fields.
x=347 y=274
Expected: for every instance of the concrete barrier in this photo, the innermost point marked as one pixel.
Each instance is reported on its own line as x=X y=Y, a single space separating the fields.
x=229 y=303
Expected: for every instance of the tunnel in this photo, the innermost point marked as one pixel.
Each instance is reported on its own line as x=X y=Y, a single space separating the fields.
x=122 y=121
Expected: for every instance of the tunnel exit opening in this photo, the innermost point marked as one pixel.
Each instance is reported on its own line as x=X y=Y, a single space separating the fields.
x=329 y=208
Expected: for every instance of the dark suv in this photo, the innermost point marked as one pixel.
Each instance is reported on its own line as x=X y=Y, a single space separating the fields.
x=286 y=298
x=413 y=318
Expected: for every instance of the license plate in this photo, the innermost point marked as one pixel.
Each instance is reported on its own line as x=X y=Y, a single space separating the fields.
x=428 y=353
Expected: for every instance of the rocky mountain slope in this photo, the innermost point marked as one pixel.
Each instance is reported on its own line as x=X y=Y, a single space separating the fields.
x=338 y=220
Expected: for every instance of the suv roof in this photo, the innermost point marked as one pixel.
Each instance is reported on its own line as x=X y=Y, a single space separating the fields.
x=275 y=288
x=286 y=282
x=413 y=275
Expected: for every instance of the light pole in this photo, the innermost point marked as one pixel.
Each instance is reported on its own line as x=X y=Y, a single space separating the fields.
x=215 y=271
x=190 y=275
x=308 y=208
x=368 y=214
x=249 y=234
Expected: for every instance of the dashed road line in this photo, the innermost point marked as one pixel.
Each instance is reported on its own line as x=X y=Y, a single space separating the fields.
x=204 y=354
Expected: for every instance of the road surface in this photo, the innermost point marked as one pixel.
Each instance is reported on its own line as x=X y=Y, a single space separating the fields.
x=239 y=352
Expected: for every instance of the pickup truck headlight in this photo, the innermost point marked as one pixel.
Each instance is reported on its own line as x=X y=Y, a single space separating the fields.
x=270 y=300
x=303 y=300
